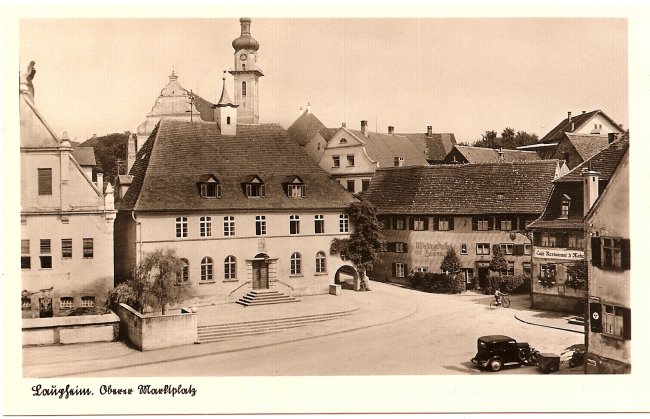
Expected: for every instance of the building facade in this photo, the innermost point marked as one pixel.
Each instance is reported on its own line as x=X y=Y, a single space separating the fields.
x=66 y=221
x=558 y=234
x=609 y=327
x=472 y=208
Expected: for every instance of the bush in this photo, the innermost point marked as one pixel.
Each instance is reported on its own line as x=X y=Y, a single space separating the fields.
x=88 y=311
x=510 y=284
x=437 y=282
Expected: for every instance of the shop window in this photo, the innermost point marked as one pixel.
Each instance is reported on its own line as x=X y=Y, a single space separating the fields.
x=547 y=274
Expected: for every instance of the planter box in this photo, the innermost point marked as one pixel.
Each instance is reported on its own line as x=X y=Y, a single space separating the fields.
x=72 y=329
x=147 y=332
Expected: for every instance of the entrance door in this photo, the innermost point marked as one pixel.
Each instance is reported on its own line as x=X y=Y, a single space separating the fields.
x=483 y=273
x=260 y=275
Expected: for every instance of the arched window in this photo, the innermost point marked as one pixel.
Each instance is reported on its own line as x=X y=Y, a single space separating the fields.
x=243 y=88
x=295 y=264
x=184 y=275
x=206 y=269
x=230 y=268
x=320 y=263
x=243 y=67
x=343 y=141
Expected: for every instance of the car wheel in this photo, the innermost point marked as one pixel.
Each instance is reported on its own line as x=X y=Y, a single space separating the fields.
x=524 y=354
x=495 y=365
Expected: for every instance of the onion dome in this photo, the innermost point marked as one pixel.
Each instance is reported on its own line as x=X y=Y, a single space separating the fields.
x=245 y=41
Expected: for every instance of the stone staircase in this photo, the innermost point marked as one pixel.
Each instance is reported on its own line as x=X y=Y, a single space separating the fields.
x=221 y=332
x=264 y=297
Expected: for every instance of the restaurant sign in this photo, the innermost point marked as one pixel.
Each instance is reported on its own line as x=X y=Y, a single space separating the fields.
x=559 y=254
x=431 y=249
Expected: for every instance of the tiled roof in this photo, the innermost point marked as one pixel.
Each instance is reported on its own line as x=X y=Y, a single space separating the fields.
x=587 y=145
x=479 y=188
x=85 y=156
x=205 y=108
x=383 y=148
x=550 y=217
x=124 y=179
x=303 y=129
x=177 y=153
x=565 y=126
x=484 y=155
x=604 y=162
x=435 y=147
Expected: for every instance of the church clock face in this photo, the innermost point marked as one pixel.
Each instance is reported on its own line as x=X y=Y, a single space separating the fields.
x=243 y=56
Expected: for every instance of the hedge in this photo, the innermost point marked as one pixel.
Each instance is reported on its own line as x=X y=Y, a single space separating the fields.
x=510 y=284
x=438 y=283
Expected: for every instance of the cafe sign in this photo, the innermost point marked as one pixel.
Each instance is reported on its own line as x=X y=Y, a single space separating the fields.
x=559 y=254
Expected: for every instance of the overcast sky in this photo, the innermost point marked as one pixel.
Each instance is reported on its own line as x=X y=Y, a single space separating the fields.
x=459 y=75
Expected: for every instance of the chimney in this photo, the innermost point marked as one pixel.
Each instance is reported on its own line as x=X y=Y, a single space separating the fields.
x=501 y=154
x=590 y=188
x=429 y=131
x=569 y=117
x=343 y=124
x=391 y=129
x=611 y=137
x=66 y=149
x=100 y=182
x=620 y=126
x=364 y=128
x=300 y=111
x=584 y=112
x=308 y=107
x=573 y=126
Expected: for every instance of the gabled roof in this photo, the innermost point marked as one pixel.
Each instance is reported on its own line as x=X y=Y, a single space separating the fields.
x=436 y=147
x=479 y=188
x=555 y=134
x=36 y=132
x=604 y=162
x=85 y=156
x=303 y=129
x=484 y=155
x=207 y=178
x=587 y=145
x=383 y=148
x=166 y=169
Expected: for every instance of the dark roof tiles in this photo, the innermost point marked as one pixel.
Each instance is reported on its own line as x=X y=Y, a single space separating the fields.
x=604 y=162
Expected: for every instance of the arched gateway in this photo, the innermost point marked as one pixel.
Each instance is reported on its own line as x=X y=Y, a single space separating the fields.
x=347 y=277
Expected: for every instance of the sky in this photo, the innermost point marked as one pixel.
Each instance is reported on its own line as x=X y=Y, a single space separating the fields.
x=465 y=76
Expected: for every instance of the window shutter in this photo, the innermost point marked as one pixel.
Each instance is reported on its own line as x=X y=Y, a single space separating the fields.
x=391 y=246
x=519 y=249
x=411 y=223
x=625 y=253
x=406 y=247
x=627 y=323
x=497 y=223
x=495 y=248
x=394 y=269
x=595 y=251
x=435 y=223
x=45 y=181
x=426 y=223
x=474 y=223
x=406 y=270
x=490 y=223
x=451 y=223
x=595 y=318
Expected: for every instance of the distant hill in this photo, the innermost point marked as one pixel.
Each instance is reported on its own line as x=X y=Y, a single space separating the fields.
x=108 y=149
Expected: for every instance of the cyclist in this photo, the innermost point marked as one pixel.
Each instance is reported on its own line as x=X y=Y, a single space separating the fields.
x=497 y=296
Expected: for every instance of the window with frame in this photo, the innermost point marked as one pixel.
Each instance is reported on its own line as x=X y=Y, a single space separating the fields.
x=66 y=248
x=66 y=303
x=365 y=184
x=527 y=249
x=184 y=275
x=344 y=223
x=400 y=269
x=548 y=240
x=350 y=160
x=483 y=224
x=88 y=248
x=294 y=224
x=46 y=254
x=336 y=161
x=25 y=258
x=230 y=268
x=296 y=269
x=482 y=248
x=506 y=224
x=443 y=224
x=255 y=190
x=319 y=224
x=181 y=226
x=260 y=225
x=320 y=263
x=45 y=181
x=611 y=252
x=526 y=267
x=575 y=241
x=349 y=185
x=422 y=269
x=243 y=89
x=507 y=248
x=228 y=226
x=510 y=270
x=296 y=190
x=205 y=226
x=463 y=249
x=88 y=301
x=211 y=190
x=400 y=247
x=613 y=323
x=400 y=223
x=565 y=205
x=548 y=272
x=206 y=269
x=419 y=223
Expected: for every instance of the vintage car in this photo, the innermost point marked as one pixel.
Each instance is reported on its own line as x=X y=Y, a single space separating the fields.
x=495 y=351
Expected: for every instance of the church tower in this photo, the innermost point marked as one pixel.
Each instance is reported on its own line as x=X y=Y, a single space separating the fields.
x=246 y=75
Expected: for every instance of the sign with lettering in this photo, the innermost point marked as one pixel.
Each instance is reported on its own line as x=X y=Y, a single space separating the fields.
x=566 y=254
x=431 y=249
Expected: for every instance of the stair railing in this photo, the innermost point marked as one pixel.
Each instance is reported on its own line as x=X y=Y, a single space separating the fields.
x=231 y=292
x=284 y=283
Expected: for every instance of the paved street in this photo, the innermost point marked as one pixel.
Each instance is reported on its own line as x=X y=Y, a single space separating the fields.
x=396 y=331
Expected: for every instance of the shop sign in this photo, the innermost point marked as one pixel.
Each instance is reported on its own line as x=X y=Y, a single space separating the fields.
x=431 y=249
x=559 y=254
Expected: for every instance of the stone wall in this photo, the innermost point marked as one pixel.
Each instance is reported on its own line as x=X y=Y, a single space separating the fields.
x=595 y=364
x=561 y=303
x=147 y=331
x=73 y=329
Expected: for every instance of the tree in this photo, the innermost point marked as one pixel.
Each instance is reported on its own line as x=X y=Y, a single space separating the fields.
x=108 y=150
x=451 y=262
x=577 y=275
x=363 y=245
x=498 y=262
x=509 y=139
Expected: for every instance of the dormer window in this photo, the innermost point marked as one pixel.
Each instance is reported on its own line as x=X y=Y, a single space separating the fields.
x=254 y=187
x=565 y=205
x=294 y=186
x=209 y=186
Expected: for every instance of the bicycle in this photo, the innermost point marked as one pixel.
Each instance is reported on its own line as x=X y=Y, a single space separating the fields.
x=505 y=302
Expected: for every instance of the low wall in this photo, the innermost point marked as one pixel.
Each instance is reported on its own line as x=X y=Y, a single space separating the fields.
x=72 y=329
x=561 y=303
x=152 y=331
